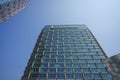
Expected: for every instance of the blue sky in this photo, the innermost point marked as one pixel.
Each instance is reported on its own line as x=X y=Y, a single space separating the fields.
x=18 y=35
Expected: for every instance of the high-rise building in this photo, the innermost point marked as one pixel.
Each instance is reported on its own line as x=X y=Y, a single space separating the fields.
x=67 y=52
x=9 y=8
x=113 y=64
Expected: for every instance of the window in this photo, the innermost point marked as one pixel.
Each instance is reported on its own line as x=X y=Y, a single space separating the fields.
x=45 y=60
x=88 y=76
x=100 y=53
x=52 y=60
x=60 y=53
x=102 y=57
x=98 y=61
x=89 y=57
x=95 y=70
x=42 y=76
x=75 y=57
x=68 y=65
x=60 y=60
x=77 y=70
x=70 y=76
x=67 y=53
x=60 y=56
x=90 y=61
x=45 y=57
x=60 y=76
x=82 y=57
x=52 y=70
x=53 y=56
x=96 y=57
x=83 y=60
x=76 y=65
x=96 y=76
x=100 y=65
x=48 y=47
x=68 y=60
x=68 y=56
x=53 y=52
x=92 y=65
x=78 y=75
x=61 y=70
x=68 y=70
x=85 y=65
x=51 y=76
x=44 y=65
x=56 y=65
x=76 y=60
x=103 y=70
x=106 y=76
x=44 y=70
x=86 y=70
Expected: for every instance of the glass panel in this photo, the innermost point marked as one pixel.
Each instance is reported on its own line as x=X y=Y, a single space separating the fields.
x=44 y=65
x=68 y=65
x=100 y=65
x=84 y=65
x=78 y=76
x=52 y=76
x=86 y=70
x=69 y=76
x=95 y=70
x=68 y=70
x=61 y=70
x=88 y=76
x=42 y=76
x=106 y=76
x=76 y=65
x=68 y=60
x=44 y=70
x=96 y=76
x=78 y=70
x=51 y=70
x=60 y=76
x=60 y=60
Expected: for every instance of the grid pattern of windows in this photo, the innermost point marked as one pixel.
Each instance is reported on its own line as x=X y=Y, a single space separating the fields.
x=9 y=8
x=69 y=53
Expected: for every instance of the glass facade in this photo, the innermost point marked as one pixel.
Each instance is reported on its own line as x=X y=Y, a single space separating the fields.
x=9 y=8
x=4 y=1
x=66 y=52
x=113 y=64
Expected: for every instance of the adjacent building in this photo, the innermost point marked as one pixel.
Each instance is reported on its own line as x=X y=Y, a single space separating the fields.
x=9 y=8
x=66 y=52
x=113 y=64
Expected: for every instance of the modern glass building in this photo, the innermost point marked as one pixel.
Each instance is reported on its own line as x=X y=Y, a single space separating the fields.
x=113 y=64
x=9 y=8
x=66 y=52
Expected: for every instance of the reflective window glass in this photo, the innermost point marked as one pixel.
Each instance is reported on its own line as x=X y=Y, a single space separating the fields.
x=78 y=76
x=88 y=76
x=68 y=70
x=61 y=70
x=52 y=70
x=78 y=70
x=44 y=70
x=42 y=76
x=51 y=76
x=69 y=76
x=68 y=65
x=106 y=76
x=96 y=76
x=76 y=65
x=60 y=76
